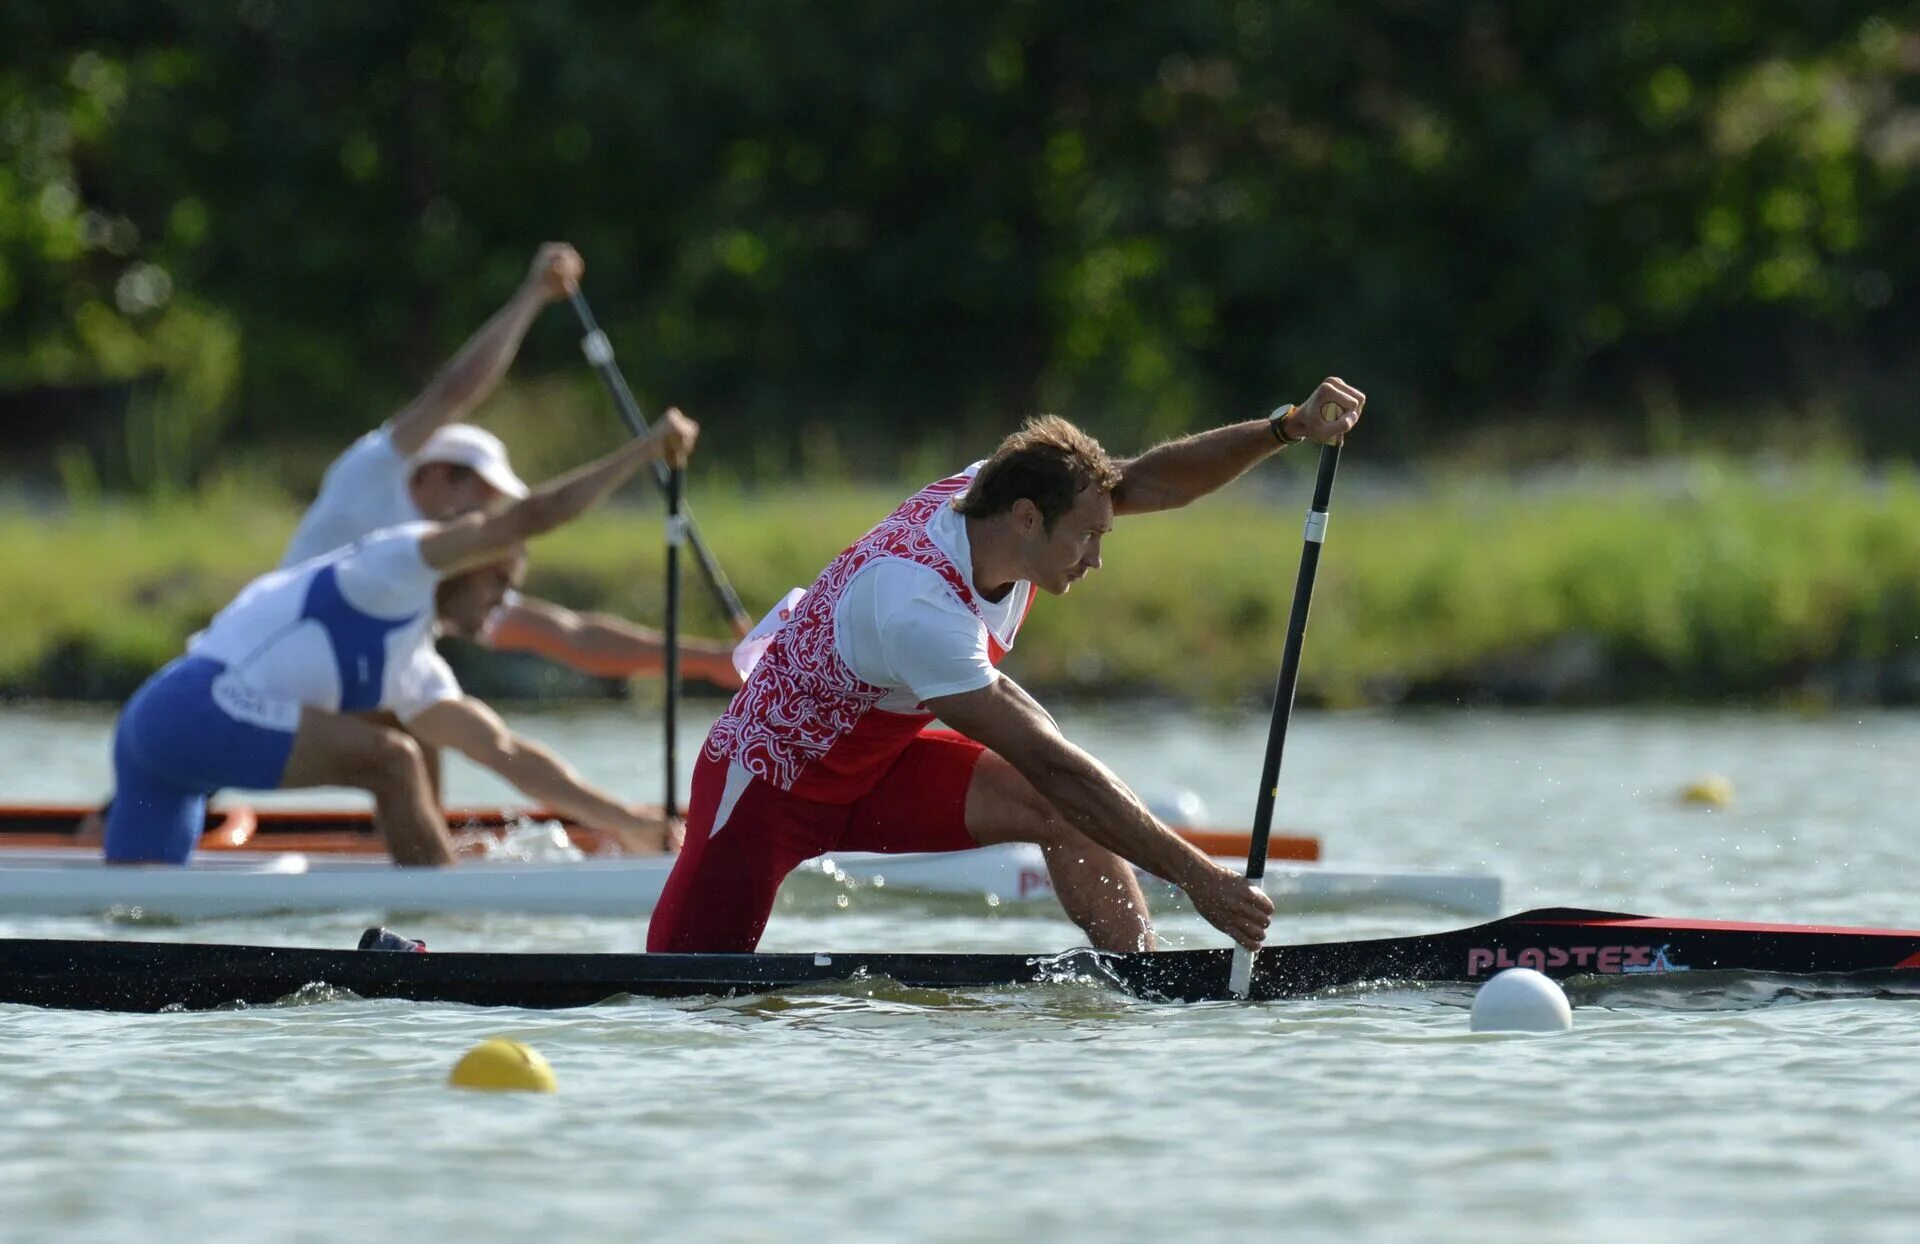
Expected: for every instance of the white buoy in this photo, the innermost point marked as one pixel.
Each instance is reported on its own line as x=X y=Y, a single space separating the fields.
x=1521 y=1000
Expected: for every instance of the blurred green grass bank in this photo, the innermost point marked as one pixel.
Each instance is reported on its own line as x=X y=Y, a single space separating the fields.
x=1691 y=581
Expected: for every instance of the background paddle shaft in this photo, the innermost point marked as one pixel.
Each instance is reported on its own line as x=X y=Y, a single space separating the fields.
x=1283 y=695
x=676 y=535
x=599 y=352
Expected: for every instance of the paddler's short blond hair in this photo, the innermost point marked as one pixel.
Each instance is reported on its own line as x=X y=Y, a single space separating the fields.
x=1049 y=462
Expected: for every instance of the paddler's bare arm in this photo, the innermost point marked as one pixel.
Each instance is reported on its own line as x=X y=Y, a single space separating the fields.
x=483 y=537
x=1008 y=720
x=475 y=372
x=476 y=731
x=1177 y=473
x=602 y=644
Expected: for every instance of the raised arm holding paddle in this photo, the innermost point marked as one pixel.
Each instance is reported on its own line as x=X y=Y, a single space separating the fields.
x=424 y=463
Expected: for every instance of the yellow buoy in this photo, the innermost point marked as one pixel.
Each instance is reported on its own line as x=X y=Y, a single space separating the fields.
x=498 y=1065
x=1712 y=791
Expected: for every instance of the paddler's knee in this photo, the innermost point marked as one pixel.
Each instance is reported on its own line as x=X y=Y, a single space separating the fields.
x=396 y=761
x=1001 y=795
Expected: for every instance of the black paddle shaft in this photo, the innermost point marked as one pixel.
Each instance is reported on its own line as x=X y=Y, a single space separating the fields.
x=599 y=352
x=676 y=533
x=1290 y=662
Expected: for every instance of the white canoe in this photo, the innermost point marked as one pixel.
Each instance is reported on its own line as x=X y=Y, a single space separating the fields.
x=73 y=882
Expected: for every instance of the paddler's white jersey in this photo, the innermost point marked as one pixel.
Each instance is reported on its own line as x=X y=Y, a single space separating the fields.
x=365 y=490
x=899 y=625
x=350 y=631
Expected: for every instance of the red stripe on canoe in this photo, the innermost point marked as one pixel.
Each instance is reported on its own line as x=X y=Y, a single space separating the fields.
x=1731 y=926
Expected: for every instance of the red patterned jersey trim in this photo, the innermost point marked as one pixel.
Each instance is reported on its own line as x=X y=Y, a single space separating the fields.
x=802 y=702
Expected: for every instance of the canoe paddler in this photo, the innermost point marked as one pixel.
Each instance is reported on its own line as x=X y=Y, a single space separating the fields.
x=425 y=464
x=827 y=746
x=270 y=695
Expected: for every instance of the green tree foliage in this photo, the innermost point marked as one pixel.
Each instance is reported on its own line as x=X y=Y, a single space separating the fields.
x=908 y=223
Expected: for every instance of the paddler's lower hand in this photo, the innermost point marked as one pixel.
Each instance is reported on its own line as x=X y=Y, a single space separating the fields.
x=1233 y=905
x=648 y=833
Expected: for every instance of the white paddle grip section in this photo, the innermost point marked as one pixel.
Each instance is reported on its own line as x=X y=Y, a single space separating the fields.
x=598 y=349
x=1316 y=526
x=676 y=529
x=1240 y=980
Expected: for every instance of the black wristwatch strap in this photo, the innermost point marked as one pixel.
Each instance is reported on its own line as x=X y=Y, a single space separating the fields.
x=1277 y=424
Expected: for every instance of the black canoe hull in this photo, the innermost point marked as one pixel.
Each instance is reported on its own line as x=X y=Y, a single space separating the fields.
x=155 y=976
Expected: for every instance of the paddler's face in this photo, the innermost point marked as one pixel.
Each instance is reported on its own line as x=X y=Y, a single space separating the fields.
x=466 y=601
x=1059 y=558
x=445 y=490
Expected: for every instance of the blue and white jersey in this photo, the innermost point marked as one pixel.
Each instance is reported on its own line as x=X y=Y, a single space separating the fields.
x=364 y=491
x=350 y=631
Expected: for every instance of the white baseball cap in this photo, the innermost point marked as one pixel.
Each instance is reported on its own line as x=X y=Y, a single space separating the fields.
x=477 y=449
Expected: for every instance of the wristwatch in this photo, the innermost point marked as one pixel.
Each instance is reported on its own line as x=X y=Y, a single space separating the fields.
x=1277 y=424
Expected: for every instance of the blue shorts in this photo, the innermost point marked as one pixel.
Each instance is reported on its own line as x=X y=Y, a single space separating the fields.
x=174 y=746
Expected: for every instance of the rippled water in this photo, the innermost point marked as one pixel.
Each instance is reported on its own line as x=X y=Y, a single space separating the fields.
x=1065 y=1112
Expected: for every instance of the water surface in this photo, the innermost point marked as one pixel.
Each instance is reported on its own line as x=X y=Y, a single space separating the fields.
x=1064 y=1111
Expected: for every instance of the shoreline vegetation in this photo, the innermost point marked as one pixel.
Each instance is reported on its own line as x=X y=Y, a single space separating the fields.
x=1683 y=582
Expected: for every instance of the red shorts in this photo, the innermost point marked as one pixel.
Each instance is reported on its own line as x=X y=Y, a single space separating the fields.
x=723 y=885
